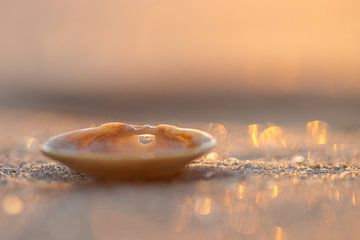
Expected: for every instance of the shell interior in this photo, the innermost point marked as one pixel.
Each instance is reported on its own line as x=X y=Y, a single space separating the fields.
x=119 y=148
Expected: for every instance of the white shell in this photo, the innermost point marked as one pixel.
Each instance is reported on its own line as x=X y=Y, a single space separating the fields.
x=119 y=150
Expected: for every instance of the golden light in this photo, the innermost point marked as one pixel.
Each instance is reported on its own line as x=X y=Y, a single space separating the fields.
x=203 y=206
x=275 y=191
x=353 y=199
x=212 y=156
x=337 y=195
x=12 y=205
x=271 y=136
x=240 y=192
x=253 y=130
x=279 y=235
x=274 y=136
x=317 y=132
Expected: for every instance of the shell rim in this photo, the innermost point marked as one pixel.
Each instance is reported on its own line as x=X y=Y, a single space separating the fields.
x=199 y=149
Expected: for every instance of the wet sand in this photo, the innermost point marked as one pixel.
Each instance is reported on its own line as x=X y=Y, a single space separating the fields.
x=225 y=195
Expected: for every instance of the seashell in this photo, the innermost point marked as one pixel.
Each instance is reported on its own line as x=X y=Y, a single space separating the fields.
x=120 y=150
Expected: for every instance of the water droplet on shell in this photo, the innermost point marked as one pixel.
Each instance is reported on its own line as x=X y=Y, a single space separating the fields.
x=146 y=138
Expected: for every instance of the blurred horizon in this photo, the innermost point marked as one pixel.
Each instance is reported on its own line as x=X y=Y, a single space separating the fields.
x=245 y=61
x=180 y=48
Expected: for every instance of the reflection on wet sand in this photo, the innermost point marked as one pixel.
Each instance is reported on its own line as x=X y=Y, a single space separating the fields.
x=253 y=207
x=247 y=188
x=305 y=209
x=12 y=204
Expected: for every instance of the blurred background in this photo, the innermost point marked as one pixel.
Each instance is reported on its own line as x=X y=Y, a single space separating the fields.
x=216 y=65
x=206 y=60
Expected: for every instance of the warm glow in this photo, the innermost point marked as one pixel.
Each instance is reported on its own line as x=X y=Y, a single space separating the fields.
x=253 y=130
x=337 y=195
x=212 y=156
x=273 y=135
x=353 y=199
x=203 y=206
x=275 y=191
x=240 y=192
x=269 y=46
x=12 y=205
x=278 y=233
x=317 y=132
